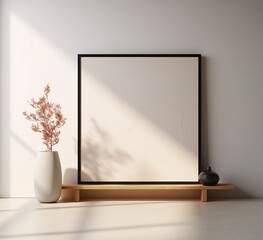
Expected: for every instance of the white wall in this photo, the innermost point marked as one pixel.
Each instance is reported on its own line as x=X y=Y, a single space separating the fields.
x=40 y=40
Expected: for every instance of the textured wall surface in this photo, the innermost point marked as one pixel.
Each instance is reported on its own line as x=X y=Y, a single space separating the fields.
x=39 y=43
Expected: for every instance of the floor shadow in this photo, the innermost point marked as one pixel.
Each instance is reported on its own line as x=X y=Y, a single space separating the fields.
x=23 y=211
x=93 y=230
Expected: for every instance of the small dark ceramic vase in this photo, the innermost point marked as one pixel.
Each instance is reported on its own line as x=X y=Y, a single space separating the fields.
x=208 y=177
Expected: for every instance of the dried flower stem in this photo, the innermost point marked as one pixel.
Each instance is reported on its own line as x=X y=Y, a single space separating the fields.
x=47 y=119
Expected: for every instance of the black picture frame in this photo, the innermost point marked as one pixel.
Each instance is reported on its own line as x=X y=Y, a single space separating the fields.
x=80 y=58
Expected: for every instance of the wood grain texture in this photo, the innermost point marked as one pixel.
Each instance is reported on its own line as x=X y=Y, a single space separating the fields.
x=204 y=189
x=221 y=186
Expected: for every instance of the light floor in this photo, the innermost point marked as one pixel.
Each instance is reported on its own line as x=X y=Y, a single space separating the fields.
x=119 y=220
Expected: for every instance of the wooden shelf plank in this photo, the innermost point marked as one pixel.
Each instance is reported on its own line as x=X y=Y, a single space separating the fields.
x=221 y=186
x=204 y=189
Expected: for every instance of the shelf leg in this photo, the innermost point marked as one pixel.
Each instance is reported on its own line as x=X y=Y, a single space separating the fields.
x=204 y=195
x=77 y=195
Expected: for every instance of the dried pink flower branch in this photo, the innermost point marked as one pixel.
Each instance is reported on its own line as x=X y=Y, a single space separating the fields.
x=47 y=119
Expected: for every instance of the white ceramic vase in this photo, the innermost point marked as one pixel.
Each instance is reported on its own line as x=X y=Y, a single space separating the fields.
x=48 y=177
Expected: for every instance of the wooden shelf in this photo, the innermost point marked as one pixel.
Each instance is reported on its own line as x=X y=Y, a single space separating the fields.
x=79 y=187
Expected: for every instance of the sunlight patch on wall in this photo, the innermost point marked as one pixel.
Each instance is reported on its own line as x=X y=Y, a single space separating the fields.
x=34 y=62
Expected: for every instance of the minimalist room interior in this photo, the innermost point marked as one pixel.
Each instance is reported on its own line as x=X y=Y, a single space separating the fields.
x=131 y=119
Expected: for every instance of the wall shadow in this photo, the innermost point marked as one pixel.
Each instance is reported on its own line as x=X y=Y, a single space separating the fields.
x=141 y=87
x=5 y=101
x=38 y=22
x=99 y=158
x=27 y=147
x=35 y=14
x=69 y=177
x=204 y=117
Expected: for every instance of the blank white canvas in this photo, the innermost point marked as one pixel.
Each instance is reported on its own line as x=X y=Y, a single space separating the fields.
x=139 y=119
